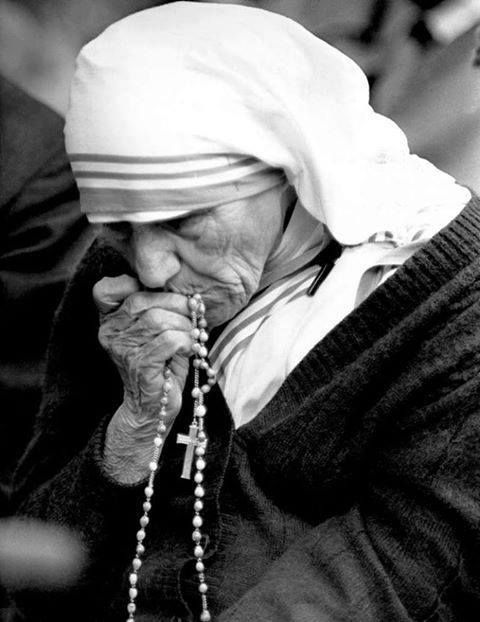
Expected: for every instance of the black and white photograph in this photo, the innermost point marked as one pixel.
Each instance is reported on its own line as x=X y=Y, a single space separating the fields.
x=240 y=311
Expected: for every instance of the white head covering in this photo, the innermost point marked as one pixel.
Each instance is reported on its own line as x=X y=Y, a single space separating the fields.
x=175 y=100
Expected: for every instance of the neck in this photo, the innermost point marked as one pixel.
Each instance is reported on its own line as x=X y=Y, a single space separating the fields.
x=303 y=238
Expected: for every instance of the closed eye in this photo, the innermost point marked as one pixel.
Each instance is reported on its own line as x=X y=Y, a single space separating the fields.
x=184 y=222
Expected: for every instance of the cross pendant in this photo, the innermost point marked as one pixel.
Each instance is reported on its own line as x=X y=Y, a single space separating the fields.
x=191 y=441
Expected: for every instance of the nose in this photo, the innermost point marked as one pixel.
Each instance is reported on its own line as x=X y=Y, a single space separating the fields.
x=153 y=255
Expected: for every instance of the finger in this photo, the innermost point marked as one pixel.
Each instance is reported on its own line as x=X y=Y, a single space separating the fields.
x=142 y=301
x=110 y=292
x=120 y=328
x=157 y=321
x=140 y=343
x=170 y=343
x=147 y=348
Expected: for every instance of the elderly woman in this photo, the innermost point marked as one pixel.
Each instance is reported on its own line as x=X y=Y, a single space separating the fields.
x=317 y=458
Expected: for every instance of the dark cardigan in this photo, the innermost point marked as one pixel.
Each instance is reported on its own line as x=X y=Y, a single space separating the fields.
x=353 y=495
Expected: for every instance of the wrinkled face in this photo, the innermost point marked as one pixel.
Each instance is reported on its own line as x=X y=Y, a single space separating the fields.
x=219 y=253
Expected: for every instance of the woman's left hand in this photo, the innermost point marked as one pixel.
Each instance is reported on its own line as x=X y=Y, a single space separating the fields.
x=142 y=331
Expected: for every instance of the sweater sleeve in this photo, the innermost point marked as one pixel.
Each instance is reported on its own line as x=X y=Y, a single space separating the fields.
x=395 y=488
x=99 y=514
x=406 y=550
x=60 y=478
x=81 y=386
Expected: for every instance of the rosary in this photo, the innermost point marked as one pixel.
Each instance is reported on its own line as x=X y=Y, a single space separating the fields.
x=196 y=445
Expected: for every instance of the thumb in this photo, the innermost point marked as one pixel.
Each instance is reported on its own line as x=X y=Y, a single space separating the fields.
x=110 y=292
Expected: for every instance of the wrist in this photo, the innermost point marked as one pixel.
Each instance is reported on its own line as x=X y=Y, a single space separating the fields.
x=129 y=445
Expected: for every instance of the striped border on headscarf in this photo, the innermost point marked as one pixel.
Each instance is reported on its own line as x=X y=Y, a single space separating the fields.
x=126 y=184
x=241 y=330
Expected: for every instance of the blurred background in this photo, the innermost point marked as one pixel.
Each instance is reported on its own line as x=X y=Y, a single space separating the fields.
x=422 y=59
x=418 y=55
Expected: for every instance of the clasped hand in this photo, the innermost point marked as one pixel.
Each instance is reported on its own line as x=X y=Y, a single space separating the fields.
x=141 y=331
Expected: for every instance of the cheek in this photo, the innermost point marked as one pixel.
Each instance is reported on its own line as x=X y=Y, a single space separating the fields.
x=207 y=256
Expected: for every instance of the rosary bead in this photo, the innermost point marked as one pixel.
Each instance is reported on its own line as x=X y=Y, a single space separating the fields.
x=200 y=337
x=201 y=410
x=133 y=593
x=196 y=536
x=133 y=578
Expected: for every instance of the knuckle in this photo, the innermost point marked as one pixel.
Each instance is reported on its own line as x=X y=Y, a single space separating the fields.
x=174 y=342
x=156 y=320
x=135 y=303
x=169 y=342
x=104 y=335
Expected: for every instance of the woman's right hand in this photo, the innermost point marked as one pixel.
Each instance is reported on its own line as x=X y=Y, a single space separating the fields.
x=141 y=331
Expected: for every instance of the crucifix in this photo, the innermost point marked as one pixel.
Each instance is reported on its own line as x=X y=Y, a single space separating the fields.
x=191 y=441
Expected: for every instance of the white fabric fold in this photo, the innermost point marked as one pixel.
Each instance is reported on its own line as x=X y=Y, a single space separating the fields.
x=192 y=80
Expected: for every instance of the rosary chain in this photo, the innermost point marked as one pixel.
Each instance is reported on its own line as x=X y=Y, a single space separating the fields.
x=200 y=363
